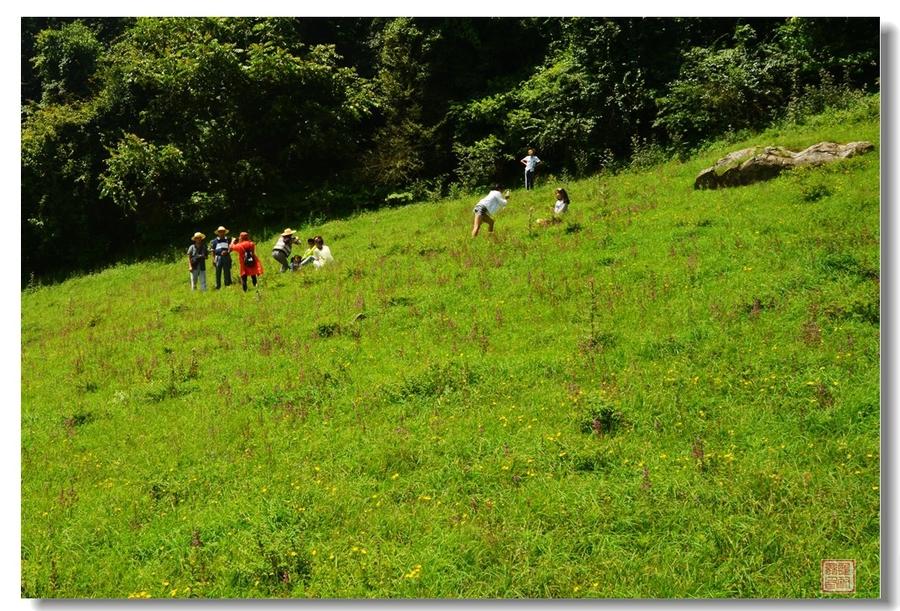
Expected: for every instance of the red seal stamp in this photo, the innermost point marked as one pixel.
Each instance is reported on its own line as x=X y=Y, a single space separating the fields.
x=839 y=576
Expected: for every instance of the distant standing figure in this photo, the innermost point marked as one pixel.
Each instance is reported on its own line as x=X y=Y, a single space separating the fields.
x=489 y=205
x=530 y=162
x=250 y=263
x=221 y=257
x=322 y=253
x=562 y=201
x=196 y=253
x=281 y=252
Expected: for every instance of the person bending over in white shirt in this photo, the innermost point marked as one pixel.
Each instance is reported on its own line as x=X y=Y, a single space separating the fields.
x=489 y=205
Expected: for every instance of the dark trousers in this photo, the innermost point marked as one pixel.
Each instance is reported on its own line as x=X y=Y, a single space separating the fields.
x=244 y=282
x=223 y=268
x=529 y=180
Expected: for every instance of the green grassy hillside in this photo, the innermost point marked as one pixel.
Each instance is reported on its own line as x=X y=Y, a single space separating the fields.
x=674 y=393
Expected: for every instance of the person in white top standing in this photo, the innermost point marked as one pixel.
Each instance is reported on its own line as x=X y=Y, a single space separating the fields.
x=489 y=205
x=530 y=162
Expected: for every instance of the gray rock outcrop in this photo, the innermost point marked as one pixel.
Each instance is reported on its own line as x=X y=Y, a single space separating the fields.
x=755 y=164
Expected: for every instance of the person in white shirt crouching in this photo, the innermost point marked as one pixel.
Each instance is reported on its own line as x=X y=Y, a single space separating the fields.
x=485 y=209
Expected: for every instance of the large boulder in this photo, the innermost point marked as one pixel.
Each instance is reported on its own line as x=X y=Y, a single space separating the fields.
x=762 y=163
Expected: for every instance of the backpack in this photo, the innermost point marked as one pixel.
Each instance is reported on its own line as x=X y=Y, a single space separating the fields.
x=249 y=258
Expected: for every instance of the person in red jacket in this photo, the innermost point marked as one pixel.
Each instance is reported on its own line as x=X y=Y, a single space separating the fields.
x=246 y=250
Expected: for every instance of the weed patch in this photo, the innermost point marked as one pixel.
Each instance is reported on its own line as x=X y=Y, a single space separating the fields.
x=602 y=419
x=435 y=380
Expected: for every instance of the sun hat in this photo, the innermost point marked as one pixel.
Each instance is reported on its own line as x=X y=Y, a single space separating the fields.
x=198 y=236
x=221 y=229
x=287 y=232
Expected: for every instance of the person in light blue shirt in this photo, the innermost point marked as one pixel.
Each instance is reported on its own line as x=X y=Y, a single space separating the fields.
x=197 y=253
x=530 y=162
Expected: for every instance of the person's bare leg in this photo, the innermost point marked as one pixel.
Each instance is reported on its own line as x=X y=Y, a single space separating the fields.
x=490 y=225
x=477 y=225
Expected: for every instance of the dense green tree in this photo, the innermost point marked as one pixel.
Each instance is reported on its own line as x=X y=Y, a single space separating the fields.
x=66 y=60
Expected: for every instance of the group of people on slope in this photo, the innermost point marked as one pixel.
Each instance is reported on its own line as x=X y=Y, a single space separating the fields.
x=220 y=248
x=317 y=253
x=495 y=201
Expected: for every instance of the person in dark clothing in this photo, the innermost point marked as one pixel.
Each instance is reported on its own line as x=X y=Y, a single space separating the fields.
x=222 y=257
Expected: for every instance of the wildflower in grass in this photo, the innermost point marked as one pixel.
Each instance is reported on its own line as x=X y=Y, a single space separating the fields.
x=414 y=573
x=395 y=476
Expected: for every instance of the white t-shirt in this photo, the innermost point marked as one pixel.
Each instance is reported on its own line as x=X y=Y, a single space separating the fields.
x=323 y=256
x=493 y=201
x=530 y=162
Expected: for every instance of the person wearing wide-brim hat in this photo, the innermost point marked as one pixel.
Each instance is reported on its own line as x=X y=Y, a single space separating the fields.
x=242 y=245
x=197 y=253
x=221 y=257
x=281 y=252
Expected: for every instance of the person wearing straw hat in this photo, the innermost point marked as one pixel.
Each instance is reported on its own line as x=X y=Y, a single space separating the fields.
x=282 y=249
x=221 y=257
x=196 y=253
x=251 y=265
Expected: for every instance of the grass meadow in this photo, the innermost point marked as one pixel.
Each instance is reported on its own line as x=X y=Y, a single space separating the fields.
x=674 y=393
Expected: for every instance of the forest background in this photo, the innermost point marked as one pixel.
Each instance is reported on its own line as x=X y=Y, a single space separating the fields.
x=137 y=131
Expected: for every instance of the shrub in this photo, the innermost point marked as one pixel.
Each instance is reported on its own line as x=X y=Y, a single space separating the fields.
x=66 y=60
x=478 y=164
